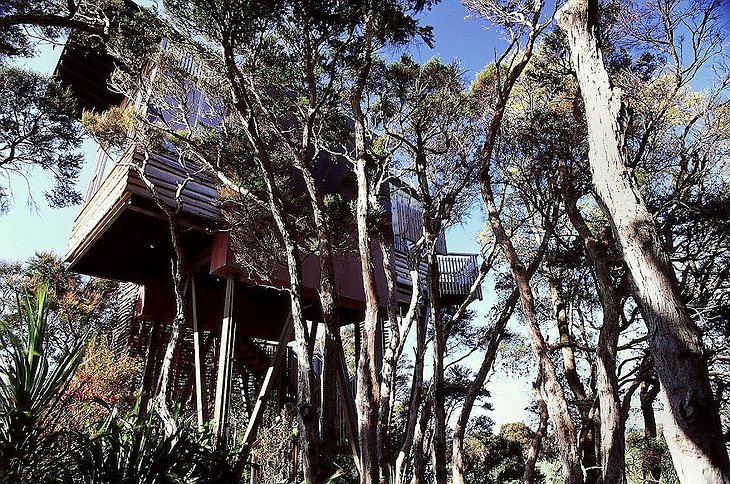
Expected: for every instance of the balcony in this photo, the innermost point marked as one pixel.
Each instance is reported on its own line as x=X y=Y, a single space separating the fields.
x=457 y=273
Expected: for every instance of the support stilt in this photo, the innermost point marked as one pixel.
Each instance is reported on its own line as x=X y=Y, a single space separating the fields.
x=200 y=397
x=348 y=407
x=189 y=388
x=225 y=367
x=311 y=341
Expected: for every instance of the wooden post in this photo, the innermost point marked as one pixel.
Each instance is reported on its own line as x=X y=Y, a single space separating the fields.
x=225 y=365
x=271 y=375
x=189 y=387
x=348 y=407
x=200 y=397
x=312 y=339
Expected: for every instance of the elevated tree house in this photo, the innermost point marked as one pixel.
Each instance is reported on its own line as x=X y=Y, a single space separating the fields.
x=237 y=325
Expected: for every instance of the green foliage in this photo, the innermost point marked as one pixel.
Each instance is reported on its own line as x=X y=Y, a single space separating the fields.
x=517 y=432
x=38 y=131
x=95 y=24
x=134 y=448
x=491 y=458
x=75 y=304
x=647 y=454
x=424 y=117
x=111 y=127
x=41 y=436
x=31 y=397
x=25 y=22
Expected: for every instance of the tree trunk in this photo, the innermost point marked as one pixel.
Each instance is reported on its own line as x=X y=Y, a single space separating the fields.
x=557 y=404
x=564 y=426
x=308 y=421
x=419 y=463
x=528 y=477
x=176 y=271
x=307 y=411
x=367 y=397
x=586 y=441
x=566 y=340
x=160 y=400
x=367 y=379
x=332 y=364
x=612 y=420
x=457 y=443
x=692 y=427
x=417 y=401
x=310 y=443
x=396 y=343
x=388 y=368
x=651 y=469
x=328 y=306
x=439 y=350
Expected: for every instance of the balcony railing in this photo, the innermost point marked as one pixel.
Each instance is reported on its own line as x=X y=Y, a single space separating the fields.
x=457 y=273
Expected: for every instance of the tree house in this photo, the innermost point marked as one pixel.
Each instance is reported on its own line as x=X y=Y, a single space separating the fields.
x=237 y=324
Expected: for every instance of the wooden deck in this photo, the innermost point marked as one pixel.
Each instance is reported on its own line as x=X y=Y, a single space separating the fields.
x=457 y=272
x=98 y=212
x=123 y=189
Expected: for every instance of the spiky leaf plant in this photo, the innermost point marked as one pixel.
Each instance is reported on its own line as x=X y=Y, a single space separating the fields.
x=31 y=397
x=134 y=447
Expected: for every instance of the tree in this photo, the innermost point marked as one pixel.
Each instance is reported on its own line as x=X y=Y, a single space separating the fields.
x=38 y=131
x=548 y=124
x=38 y=126
x=284 y=122
x=693 y=427
x=23 y=22
x=245 y=131
x=523 y=24
x=426 y=125
x=495 y=458
x=75 y=305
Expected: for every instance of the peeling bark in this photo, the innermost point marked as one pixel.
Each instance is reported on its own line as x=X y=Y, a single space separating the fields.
x=692 y=427
x=367 y=396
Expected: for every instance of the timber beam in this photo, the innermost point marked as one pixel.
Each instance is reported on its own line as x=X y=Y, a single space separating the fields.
x=221 y=409
x=272 y=375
